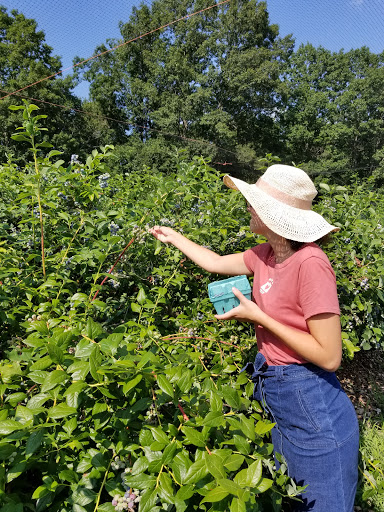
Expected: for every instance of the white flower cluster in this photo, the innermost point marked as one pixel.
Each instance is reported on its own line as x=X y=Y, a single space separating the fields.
x=103 y=180
x=74 y=159
x=127 y=502
x=113 y=228
x=117 y=463
x=151 y=415
x=33 y=318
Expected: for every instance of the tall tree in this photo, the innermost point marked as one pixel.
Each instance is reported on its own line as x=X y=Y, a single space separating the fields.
x=25 y=58
x=334 y=113
x=214 y=77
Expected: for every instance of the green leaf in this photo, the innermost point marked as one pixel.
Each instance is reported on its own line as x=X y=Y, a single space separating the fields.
x=131 y=384
x=159 y=435
x=70 y=425
x=73 y=392
x=215 y=466
x=254 y=473
x=193 y=436
x=165 y=488
x=242 y=444
x=148 y=500
x=184 y=493
x=214 y=419
x=34 y=442
x=139 y=466
x=92 y=329
x=53 y=379
x=84 y=349
x=231 y=486
x=142 y=481
x=237 y=505
x=231 y=397
x=216 y=402
x=215 y=495
x=169 y=453
x=16 y=471
x=145 y=437
x=79 y=297
x=165 y=385
x=185 y=381
x=106 y=507
x=60 y=411
x=264 y=485
x=41 y=364
x=6 y=449
x=247 y=425
x=55 y=353
x=15 y=398
x=79 y=370
x=141 y=297
x=83 y=496
x=135 y=307
x=24 y=415
x=261 y=427
x=94 y=363
x=251 y=476
x=9 y=426
x=234 y=462
x=196 y=472
x=110 y=344
x=20 y=137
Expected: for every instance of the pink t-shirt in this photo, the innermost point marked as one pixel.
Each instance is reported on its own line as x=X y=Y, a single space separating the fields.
x=302 y=286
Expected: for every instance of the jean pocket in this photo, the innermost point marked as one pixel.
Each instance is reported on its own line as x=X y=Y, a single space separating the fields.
x=307 y=409
x=300 y=411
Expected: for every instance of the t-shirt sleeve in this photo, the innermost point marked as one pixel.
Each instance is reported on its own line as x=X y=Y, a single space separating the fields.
x=248 y=257
x=251 y=257
x=317 y=288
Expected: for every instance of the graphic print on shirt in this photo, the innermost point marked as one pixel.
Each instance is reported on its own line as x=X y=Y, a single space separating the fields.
x=267 y=286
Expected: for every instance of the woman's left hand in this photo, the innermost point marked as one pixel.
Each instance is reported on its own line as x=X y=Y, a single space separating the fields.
x=246 y=311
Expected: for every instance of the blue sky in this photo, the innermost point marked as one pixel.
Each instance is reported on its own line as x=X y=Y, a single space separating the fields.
x=76 y=27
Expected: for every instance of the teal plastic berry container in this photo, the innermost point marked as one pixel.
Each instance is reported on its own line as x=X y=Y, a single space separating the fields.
x=221 y=295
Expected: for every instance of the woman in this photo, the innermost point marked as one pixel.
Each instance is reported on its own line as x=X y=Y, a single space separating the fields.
x=297 y=320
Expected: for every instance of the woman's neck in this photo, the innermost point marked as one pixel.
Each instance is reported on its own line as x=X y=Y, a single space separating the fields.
x=281 y=247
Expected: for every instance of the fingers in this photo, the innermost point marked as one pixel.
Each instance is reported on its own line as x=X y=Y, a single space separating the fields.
x=156 y=231
x=237 y=293
x=225 y=316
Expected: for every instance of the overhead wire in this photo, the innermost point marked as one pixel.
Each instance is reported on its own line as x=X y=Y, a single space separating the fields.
x=182 y=137
x=129 y=123
x=83 y=112
x=187 y=16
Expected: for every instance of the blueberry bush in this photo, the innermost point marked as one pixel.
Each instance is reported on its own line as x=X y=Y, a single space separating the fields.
x=118 y=388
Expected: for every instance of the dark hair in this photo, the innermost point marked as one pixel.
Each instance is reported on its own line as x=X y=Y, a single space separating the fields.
x=295 y=246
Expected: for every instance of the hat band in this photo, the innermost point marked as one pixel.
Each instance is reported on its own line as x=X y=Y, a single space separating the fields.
x=296 y=202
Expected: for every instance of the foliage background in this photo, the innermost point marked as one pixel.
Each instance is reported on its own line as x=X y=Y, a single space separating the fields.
x=222 y=84
x=116 y=380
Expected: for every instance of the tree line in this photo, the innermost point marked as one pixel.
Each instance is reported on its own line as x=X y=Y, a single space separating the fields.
x=223 y=84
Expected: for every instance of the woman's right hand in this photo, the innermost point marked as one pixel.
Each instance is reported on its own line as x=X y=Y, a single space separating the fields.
x=163 y=233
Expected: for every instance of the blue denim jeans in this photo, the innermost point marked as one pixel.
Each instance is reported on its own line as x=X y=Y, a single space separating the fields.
x=316 y=431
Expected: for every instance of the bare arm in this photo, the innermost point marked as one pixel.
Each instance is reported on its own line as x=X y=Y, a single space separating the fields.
x=231 y=264
x=321 y=346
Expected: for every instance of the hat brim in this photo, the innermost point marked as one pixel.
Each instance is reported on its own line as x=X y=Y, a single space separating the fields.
x=284 y=220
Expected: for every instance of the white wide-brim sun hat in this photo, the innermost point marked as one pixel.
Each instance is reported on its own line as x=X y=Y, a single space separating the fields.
x=282 y=198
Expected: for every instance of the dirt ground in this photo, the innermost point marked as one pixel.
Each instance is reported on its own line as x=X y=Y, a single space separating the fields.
x=363 y=380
